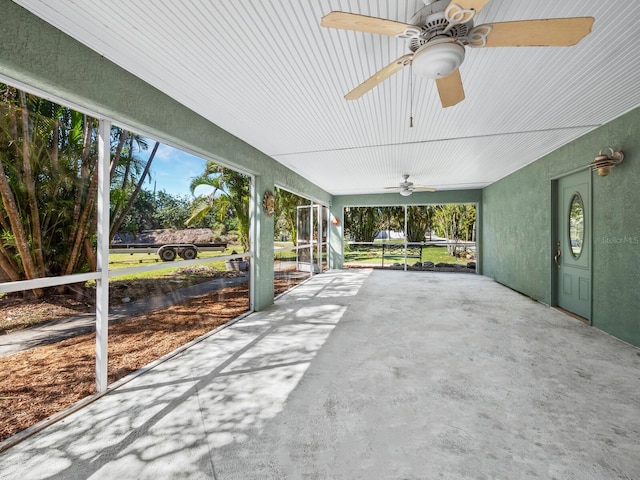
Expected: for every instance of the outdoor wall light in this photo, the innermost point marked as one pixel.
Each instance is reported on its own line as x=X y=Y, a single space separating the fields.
x=606 y=159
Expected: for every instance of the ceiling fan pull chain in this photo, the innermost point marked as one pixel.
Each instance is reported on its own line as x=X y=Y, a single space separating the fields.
x=456 y=15
x=410 y=95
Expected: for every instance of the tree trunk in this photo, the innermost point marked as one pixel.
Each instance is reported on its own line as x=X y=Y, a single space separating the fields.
x=115 y=161
x=83 y=175
x=91 y=255
x=8 y=265
x=115 y=213
x=55 y=147
x=127 y=169
x=17 y=228
x=117 y=222
x=243 y=228
x=116 y=156
x=291 y=219
x=30 y=185
x=4 y=224
x=82 y=225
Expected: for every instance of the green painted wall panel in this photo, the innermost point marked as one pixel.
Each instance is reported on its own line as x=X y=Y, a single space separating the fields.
x=264 y=228
x=516 y=221
x=516 y=234
x=417 y=198
x=616 y=242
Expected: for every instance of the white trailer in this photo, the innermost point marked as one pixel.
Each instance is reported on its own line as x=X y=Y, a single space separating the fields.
x=169 y=251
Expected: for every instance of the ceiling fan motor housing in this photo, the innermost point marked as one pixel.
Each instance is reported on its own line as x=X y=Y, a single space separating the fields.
x=406 y=187
x=438 y=58
x=438 y=52
x=435 y=25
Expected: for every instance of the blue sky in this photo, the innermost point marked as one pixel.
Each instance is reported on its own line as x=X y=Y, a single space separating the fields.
x=172 y=170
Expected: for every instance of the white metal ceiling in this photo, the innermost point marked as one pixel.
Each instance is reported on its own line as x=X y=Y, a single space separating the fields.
x=268 y=73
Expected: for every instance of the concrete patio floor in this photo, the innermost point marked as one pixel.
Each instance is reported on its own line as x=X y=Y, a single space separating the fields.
x=362 y=374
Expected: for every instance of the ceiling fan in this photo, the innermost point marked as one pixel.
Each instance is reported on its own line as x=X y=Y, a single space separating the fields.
x=440 y=31
x=406 y=188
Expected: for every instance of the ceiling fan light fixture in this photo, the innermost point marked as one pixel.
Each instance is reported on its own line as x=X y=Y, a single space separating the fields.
x=438 y=58
x=405 y=192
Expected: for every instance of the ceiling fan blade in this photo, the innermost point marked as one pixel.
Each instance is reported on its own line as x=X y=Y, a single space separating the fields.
x=363 y=23
x=420 y=188
x=550 y=32
x=379 y=77
x=450 y=89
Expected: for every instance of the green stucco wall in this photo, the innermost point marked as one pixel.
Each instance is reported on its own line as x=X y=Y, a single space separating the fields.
x=41 y=57
x=517 y=222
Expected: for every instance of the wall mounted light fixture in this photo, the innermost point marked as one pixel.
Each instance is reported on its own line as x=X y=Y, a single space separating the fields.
x=606 y=159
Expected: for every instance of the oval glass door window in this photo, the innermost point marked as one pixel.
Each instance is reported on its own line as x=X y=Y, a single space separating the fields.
x=576 y=225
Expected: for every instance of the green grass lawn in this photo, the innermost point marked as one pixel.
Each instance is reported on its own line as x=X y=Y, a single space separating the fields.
x=358 y=254
x=126 y=260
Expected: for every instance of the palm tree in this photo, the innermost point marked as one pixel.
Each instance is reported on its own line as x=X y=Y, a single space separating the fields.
x=48 y=187
x=32 y=179
x=127 y=172
x=360 y=223
x=118 y=215
x=455 y=222
x=229 y=198
x=419 y=219
x=287 y=204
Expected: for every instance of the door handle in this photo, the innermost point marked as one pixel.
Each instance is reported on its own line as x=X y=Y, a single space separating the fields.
x=556 y=257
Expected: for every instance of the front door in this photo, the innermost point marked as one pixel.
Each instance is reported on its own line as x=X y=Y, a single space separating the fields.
x=572 y=245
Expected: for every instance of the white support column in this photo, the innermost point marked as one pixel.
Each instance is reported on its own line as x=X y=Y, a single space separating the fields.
x=406 y=238
x=320 y=232
x=262 y=274
x=102 y=283
x=336 y=237
x=311 y=263
x=253 y=238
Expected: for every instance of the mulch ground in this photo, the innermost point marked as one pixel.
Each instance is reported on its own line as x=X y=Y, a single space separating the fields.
x=42 y=381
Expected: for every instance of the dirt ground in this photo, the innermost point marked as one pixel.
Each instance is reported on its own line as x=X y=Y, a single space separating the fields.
x=42 y=381
x=18 y=312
